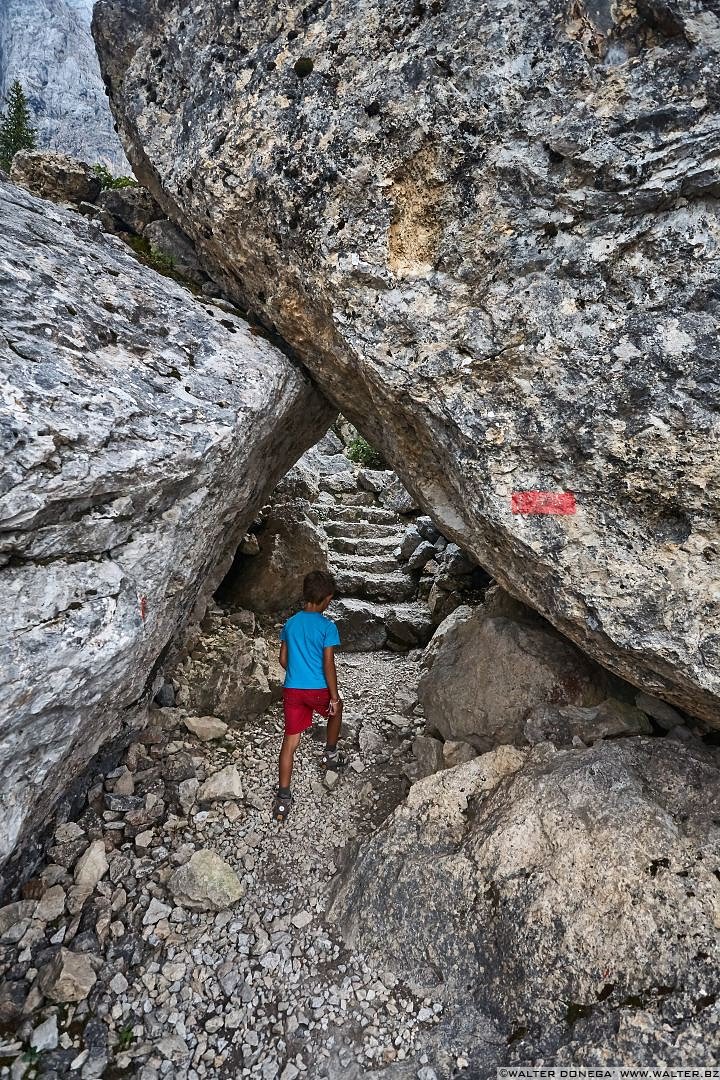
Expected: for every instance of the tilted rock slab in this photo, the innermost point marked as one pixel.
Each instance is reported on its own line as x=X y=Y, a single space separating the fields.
x=530 y=881
x=488 y=229
x=140 y=431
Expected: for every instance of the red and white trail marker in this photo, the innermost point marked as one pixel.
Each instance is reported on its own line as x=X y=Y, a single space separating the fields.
x=543 y=502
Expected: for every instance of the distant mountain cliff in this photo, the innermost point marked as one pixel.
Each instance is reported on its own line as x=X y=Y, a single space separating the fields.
x=47 y=45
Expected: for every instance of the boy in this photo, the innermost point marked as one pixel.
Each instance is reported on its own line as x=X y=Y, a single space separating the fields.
x=307 y=653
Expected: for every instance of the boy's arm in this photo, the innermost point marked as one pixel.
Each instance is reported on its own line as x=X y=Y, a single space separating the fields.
x=331 y=677
x=283 y=654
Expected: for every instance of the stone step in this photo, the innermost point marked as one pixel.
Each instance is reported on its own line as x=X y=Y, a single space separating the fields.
x=365 y=625
x=376 y=514
x=381 y=546
x=364 y=564
x=395 y=586
x=410 y=624
x=357 y=499
x=357 y=530
x=360 y=623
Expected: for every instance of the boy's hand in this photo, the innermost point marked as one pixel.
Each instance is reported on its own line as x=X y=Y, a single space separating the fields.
x=335 y=706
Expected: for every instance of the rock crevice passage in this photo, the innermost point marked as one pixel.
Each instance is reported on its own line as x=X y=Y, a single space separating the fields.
x=402 y=925
x=397 y=577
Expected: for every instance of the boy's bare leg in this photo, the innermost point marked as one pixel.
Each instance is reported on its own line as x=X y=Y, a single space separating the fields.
x=290 y=744
x=334 y=723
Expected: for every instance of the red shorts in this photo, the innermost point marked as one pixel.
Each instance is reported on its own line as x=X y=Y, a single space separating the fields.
x=299 y=706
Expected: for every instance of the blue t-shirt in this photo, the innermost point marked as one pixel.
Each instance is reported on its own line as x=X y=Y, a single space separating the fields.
x=307 y=634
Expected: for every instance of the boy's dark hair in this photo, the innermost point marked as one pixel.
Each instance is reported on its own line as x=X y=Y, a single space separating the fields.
x=317 y=585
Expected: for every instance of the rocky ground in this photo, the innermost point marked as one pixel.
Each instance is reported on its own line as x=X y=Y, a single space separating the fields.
x=119 y=963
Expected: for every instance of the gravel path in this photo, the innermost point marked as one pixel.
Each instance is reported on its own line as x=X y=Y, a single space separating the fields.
x=265 y=988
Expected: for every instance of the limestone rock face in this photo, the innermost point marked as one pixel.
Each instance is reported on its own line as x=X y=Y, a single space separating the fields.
x=230 y=673
x=488 y=672
x=486 y=229
x=46 y=44
x=530 y=881
x=140 y=431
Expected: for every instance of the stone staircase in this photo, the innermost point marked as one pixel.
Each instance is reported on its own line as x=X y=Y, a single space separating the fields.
x=367 y=575
x=377 y=604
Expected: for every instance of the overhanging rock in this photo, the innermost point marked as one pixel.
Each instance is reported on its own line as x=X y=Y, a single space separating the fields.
x=488 y=230
x=140 y=430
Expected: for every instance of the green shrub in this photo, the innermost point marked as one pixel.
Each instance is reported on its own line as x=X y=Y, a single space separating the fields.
x=362 y=453
x=125 y=1038
x=164 y=264
x=108 y=181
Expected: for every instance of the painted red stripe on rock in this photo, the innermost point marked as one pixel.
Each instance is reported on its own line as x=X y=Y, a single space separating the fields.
x=543 y=502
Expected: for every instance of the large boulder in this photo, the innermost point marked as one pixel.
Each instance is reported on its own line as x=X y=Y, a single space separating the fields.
x=484 y=228
x=132 y=208
x=488 y=671
x=140 y=431
x=55 y=176
x=543 y=886
x=291 y=545
x=229 y=673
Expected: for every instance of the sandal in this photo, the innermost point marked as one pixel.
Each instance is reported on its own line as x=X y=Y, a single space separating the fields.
x=333 y=762
x=282 y=805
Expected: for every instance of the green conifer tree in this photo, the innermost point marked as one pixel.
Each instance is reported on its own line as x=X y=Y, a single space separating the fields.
x=16 y=129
